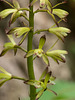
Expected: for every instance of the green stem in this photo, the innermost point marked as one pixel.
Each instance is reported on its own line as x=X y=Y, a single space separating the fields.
x=57 y=22
x=38 y=10
x=53 y=17
x=24 y=9
x=59 y=4
x=22 y=39
x=53 y=45
x=25 y=17
x=41 y=30
x=30 y=59
x=19 y=78
x=19 y=47
x=8 y=3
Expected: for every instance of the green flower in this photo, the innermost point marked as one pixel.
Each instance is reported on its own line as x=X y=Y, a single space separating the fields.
x=4 y=76
x=43 y=4
x=16 y=12
x=46 y=3
x=60 y=32
x=39 y=52
x=45 y=78
x=60 y=13
x=19 y=31
x=56 y=55
x=11 y=45
x=6 y=12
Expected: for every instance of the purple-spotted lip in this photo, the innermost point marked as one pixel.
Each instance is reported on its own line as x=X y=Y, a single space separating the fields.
x=42 y=4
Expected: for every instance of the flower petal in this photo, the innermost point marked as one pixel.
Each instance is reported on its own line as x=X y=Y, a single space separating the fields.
x=19 y=31
x=60 y=13
x=42 y=41
x=57 y=55
x=6 y=12
x=60 y=32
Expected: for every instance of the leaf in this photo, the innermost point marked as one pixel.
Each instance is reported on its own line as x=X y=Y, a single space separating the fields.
x=6 y=12
x=31 y=52
x=42 y=41
x=60 y=13
x=16 y=4
x=45 y=59
x=43 y=74
x=19 y=31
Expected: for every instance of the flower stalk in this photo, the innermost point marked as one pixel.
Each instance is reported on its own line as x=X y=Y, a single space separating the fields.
x=30 y=59
x=57 y=55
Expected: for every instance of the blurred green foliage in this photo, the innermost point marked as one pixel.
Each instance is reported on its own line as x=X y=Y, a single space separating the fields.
x=65 y=91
